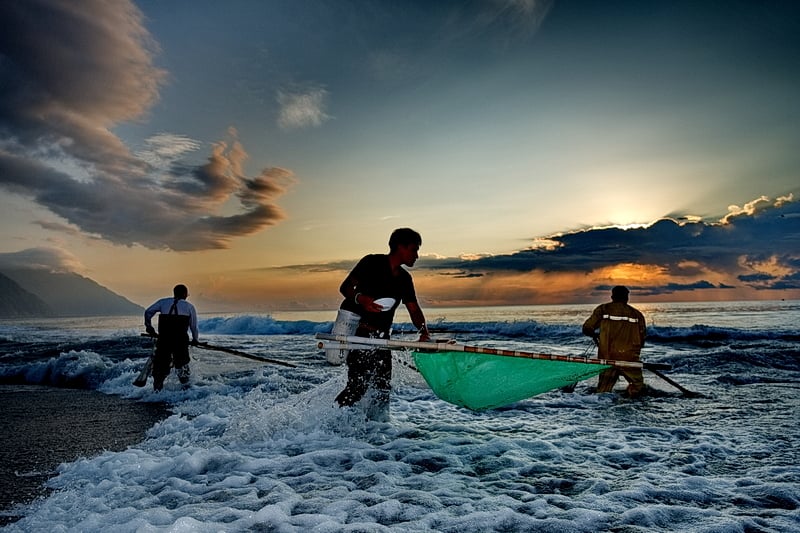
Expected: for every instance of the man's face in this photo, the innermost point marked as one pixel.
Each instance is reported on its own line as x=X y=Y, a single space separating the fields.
x=409 y=253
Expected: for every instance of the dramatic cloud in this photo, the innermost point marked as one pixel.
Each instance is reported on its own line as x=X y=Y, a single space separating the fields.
x=668 y=288
x=302 y=109
x=751 y=251
x=757 y=245
x=70 y=72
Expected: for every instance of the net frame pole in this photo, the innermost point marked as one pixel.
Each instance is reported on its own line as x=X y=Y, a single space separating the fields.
x=365 y=342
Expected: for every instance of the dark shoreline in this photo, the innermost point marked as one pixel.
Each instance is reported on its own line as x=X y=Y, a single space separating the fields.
x=46 y=426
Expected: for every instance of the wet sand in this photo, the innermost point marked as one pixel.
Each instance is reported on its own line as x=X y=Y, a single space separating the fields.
x=44 y=427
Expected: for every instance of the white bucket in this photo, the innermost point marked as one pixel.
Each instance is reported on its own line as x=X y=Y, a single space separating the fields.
x=346 y=324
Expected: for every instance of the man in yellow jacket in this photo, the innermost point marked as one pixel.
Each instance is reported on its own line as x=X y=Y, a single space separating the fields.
x=622 y=332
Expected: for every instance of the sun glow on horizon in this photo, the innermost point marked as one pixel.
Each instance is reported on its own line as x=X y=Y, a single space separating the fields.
x=631 y=272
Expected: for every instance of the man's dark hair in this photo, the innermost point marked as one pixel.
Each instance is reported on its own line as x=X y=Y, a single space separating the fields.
x=619 y=294
x=180 y=292
x=404 y=237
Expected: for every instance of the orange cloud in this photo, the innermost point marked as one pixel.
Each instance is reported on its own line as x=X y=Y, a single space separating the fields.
x=626 y=273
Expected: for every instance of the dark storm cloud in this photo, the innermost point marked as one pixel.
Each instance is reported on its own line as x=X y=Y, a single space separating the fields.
x=71 y=71
x=788 y=279
x=753 y=278
x=748 y=243
x=668 y=288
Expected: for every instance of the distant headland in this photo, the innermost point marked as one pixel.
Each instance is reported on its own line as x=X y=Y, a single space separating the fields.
x=32 y=293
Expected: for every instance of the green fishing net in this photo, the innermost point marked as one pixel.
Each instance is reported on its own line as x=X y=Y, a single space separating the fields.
x=481 y=381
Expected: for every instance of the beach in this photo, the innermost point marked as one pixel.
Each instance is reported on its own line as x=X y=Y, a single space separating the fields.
x=47 y=426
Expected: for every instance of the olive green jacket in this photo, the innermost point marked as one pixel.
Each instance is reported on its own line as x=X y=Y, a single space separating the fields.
x=622 y=331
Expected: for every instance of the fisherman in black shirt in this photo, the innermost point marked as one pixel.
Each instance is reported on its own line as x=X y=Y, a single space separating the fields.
x=373 y=290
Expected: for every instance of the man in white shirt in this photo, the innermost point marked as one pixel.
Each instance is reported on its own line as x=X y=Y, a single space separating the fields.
x=177 y=317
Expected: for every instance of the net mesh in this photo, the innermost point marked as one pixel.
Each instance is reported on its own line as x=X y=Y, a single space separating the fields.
x=481 y=381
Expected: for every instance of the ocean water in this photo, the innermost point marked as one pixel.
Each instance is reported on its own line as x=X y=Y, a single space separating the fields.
x=252 y=446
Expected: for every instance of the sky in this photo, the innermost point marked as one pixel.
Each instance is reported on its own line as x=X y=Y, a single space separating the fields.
x=545 y=150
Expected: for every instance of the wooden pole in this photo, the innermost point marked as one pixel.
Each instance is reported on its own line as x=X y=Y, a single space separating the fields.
x=672 y=382
x=244 y=354
x=236 y=352
x=365 y=343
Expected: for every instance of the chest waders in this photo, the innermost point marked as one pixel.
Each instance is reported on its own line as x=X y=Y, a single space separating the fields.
x=172 y=347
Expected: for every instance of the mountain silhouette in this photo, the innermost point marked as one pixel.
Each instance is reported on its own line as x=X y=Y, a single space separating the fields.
x=38 y=292
x=16 y=302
